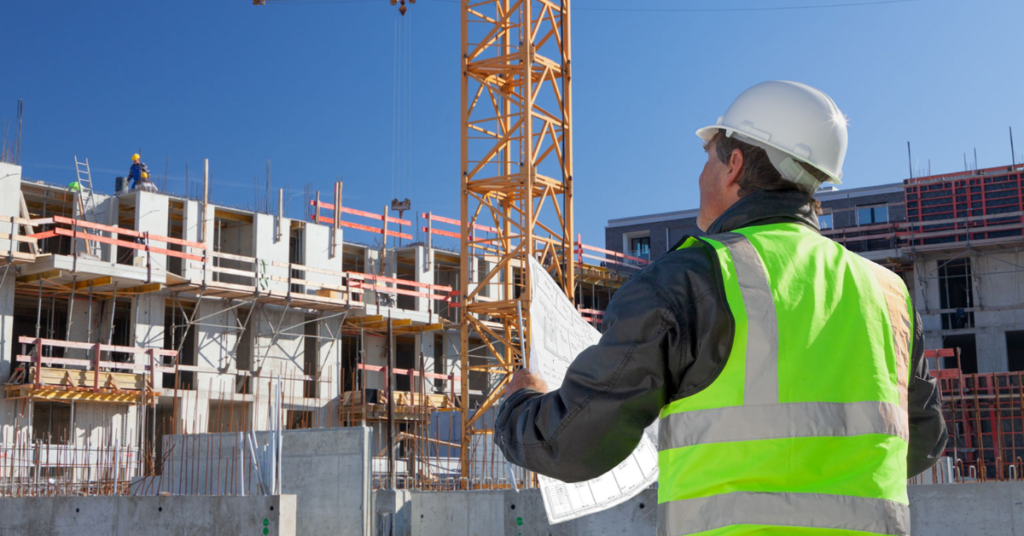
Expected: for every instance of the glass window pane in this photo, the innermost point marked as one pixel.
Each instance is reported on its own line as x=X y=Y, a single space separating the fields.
x=825 y=221
x=640 y=247
x=864 y=216
x=881 y=214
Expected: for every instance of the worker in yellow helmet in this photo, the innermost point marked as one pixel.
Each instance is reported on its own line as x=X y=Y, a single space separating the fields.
x=786 y=372
x=139 y=173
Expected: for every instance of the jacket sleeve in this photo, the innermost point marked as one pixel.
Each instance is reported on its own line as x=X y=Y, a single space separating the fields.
x=666 y=333
x=928 y=434
x=610 y=393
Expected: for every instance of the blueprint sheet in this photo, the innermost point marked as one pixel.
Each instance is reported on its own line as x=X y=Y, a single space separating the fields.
x=559 y=335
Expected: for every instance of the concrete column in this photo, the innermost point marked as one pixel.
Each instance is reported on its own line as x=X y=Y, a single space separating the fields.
x=451 y=357
x=191 y=224
x=371 y=258
x=217 y=341
x=424 y=272
x=374 y=352
x=991 y=345
x=425 y=345
x=151 y=216
x=208 y=213
x=316 y=246
x=80 y=320
x=8 y=408
x=329 y=356
x=10 y=190
x=107 y=215
x=148 y=312
x=266 y=248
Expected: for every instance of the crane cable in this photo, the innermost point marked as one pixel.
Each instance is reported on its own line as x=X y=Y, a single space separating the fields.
x=401 y=109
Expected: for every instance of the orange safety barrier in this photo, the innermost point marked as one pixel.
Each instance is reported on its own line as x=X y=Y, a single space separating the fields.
x=591 y=315
x=581 y=247
x=94 y=364
x=74 y=233
x=452 y=378
x=358 y=226
x=440 y=232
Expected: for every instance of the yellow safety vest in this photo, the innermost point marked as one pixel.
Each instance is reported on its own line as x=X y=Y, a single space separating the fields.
x=805 y=430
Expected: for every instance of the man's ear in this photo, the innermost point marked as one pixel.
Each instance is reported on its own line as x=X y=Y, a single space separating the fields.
x=734 y=169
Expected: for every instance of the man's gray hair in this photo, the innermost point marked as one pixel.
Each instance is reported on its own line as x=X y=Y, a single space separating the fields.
x=758 y=172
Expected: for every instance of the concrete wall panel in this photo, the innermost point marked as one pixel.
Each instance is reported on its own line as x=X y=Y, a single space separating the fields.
x=989 y=509
x=152 y=516
x=10 y=190
x=328 y=470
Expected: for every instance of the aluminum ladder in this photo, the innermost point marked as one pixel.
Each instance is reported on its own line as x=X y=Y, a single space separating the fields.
x=88 y=205
x=86 y=200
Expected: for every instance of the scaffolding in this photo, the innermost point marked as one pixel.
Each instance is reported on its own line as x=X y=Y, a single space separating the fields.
x=984 y=417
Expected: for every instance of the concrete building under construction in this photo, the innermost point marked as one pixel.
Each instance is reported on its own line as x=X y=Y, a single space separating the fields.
x=135 y=316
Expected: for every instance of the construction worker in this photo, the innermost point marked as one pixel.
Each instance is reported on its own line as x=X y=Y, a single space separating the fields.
x=138 y=172
x=786 y=371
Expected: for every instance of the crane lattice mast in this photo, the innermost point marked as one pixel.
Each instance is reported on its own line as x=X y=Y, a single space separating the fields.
x=516 y=178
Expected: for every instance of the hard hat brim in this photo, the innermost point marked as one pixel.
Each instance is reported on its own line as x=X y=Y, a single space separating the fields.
x=708 y=133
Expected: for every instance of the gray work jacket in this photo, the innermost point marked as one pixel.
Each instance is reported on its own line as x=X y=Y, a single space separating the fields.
x=667 y=335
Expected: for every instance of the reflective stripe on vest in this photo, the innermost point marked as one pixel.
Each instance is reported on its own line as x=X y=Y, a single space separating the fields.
x=763 y=417
x=810 y=510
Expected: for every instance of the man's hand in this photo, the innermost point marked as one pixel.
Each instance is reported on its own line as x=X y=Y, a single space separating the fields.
x=524 y=379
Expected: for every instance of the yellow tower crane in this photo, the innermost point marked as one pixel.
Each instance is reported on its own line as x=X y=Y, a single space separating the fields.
x=516 y=176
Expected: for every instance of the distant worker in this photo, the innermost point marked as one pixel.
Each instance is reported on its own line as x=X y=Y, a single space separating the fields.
x=787 y=372
x=139 y=175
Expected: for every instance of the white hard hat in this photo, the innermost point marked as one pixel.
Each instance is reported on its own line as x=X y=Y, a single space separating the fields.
x=791 y=121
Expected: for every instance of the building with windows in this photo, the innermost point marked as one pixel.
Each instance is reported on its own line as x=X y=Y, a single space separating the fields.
x=956 y=239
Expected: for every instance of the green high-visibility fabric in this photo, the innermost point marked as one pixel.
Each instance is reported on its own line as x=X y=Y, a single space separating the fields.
x=835 y=346
x=859 y=466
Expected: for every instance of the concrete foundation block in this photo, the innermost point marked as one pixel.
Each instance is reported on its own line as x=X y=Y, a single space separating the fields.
x=458 y=513
x=988 y=509
x=524 y=514
x=152 y=516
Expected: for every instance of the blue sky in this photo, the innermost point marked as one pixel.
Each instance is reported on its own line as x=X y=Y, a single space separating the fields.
x=309 y=85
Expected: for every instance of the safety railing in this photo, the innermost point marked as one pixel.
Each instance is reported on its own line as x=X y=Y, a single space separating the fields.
x=105 y=376
x=610 y=258
x=11 y=238
x=594 y=316
x=474 y=228
x=318 y=217
x=413 y=397
x=246 y=274
x=139 y=241
x=963 y=229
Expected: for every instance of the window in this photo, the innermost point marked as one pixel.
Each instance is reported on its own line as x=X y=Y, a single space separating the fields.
x=51 y=423
x=956 y=292
x=825 y=221
x=640 y=247
x=872 y=215
x=1015 y=351
x=968 y=351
